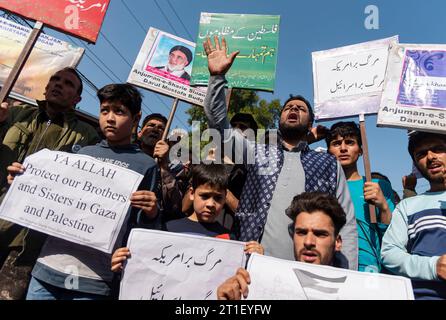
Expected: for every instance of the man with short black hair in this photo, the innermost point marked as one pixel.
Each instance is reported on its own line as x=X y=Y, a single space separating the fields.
x=152 y=130
x=317 y=219
x=149 y=137
x=344 y=142
x=24 y=130
x=414 y=245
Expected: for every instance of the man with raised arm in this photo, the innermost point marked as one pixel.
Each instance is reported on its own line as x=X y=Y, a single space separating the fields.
x=277 y=171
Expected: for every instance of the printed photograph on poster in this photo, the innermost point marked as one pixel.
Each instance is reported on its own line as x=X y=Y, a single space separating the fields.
x=423 y=81
x=414 y=95
x=48 y=56
x=164 y=65
x=171 y=59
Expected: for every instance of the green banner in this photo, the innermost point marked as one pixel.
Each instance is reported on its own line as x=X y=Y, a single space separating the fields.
x=257 y=38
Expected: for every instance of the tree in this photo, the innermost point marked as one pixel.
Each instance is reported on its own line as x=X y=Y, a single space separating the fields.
x=266 y=113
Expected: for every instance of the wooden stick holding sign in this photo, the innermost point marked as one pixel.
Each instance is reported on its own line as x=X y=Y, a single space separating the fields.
x=170 y=119
x=169 y=123
x=365 y=157
x=21 y=60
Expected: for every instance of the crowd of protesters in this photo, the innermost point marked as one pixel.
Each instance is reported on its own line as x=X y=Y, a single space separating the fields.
x=276 y=194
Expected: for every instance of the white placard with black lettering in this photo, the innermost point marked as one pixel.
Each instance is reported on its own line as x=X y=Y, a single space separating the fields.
x=349 y=80
x=177 y=266
x=74 y=197
x=277 y=279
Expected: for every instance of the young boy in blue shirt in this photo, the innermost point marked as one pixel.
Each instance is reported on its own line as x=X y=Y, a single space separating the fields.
x=120 y=106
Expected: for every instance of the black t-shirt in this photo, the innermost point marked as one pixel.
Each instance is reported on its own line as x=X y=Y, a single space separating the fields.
x=188 y=226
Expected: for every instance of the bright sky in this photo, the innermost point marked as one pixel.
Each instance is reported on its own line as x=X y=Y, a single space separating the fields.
x=306 y=26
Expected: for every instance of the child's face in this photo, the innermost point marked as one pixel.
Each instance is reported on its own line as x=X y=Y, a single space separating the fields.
x=346 y=150
x=116 y=122
x=208 y=202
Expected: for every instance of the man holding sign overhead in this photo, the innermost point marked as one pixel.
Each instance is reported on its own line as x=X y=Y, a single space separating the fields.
x=276 y=173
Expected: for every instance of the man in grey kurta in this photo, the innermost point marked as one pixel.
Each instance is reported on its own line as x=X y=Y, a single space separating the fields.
x=267 y=221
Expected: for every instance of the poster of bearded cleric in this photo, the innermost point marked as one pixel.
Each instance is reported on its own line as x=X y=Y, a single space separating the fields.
x=164 y=65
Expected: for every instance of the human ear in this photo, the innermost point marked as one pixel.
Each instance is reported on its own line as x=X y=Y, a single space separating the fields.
x=191 y=194
x=136 y=119
x=338 y=243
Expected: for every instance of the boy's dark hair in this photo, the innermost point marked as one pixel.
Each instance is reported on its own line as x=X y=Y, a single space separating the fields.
x=379 y=175
x=125 y=93
x=344 y=129
x=418 y=137
x=317 y=201
x=301 y=98
x=76 y=74
x=158 y=116
x=215 y=175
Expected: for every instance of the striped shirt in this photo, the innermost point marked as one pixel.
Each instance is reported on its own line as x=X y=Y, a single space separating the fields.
x=414 y=241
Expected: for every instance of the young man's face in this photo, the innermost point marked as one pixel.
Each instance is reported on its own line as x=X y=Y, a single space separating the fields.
x=295 y=117
x=177 y=60
x=152 y=132
x=430 y=157
x=63 y=90
x=208 y=202
x=116 y=122
x=314 y=238
x=346 y=150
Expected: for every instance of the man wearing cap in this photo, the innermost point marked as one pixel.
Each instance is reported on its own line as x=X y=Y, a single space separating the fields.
x=277 y=171
x=179 y=58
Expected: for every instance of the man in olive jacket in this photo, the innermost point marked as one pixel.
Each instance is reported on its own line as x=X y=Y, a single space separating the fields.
x=24 y=130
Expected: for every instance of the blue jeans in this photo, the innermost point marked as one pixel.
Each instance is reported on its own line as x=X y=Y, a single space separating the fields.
x=39 y=290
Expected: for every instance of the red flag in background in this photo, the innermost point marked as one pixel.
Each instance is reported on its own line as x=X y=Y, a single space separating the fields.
x=80 y=18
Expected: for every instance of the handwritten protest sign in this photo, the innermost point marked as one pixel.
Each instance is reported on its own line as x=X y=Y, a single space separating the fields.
x=414 y=94
x=73 y=197
x=273 y=278
x=256 y=36
x=48 y=56
x=177 y=266
x=349 y=80
x=149 y=71
x=81 y=18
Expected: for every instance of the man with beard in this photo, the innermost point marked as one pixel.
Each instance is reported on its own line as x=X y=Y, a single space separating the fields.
x=179 y=58
x=152 y=130
x=317 y=219
x=277 y=171
x=414 y=245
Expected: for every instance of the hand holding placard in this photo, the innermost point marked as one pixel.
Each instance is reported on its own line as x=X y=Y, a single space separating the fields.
x=13 y=170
